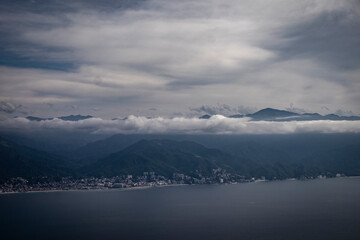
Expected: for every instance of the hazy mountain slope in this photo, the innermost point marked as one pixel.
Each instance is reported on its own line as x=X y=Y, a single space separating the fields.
x=280 y=156
x=166 y=157
x=305 y=152
x=99 y=149
x=263 y=148
x=60 y=142
x=21 y=161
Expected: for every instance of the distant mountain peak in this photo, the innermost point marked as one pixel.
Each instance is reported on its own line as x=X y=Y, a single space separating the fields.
x=237 y=116
x=75 y=117
x=64 y=118
x=206 y=116
x=311 y=114
x=268 y=113
x=271 y=114
x=33 y=118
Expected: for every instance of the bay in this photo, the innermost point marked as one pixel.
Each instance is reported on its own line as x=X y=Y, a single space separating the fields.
x=315 y=209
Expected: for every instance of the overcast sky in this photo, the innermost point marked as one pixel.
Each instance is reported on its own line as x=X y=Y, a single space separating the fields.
x=178 y=58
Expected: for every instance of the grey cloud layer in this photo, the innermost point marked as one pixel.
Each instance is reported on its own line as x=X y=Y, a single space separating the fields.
x=179 y=54
x=223 y=109
x=215 y=125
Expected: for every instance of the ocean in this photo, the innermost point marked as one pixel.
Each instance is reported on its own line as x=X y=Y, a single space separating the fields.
x=313 y=209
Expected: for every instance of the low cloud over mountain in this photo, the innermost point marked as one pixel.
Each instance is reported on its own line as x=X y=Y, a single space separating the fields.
x=217 y=124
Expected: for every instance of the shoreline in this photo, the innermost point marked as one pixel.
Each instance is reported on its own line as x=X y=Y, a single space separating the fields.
x=98 y=189
x=161 y=186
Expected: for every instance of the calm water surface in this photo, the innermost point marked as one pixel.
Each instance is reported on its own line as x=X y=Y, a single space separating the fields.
x=317 y=209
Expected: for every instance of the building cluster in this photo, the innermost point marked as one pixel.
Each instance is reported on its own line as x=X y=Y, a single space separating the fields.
x=148 y=179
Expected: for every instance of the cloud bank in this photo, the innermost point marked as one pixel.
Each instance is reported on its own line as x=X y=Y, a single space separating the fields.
x=217 y=124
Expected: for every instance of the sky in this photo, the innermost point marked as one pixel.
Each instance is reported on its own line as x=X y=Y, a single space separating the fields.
x=167 y=58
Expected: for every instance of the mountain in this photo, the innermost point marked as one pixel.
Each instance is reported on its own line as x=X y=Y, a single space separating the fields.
x=324 y=152
x=270 y=114
x=237 y=116
x=166 y=157
x=75 y=117
x=55 y=141
x=206 y=116
x=267 y=114
x=32 y=118
x=21 y=161
x=281 y=156
x=96 y=150
x=65 y=118
x=262 y=148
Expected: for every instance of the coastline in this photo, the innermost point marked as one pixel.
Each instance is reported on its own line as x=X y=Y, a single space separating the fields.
x=97 y=189
x=161 y=186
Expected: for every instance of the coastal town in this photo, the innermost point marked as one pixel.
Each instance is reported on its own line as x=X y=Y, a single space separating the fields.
x=147 y=179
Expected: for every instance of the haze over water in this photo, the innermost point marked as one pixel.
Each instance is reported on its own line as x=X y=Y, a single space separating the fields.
x=317 y=209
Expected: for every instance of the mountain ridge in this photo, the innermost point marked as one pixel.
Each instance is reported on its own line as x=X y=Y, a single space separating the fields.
x=271 y=114
x=17 y=160
x=266 y=114
x=164 y=157
x=275 y=156
x=73 y=118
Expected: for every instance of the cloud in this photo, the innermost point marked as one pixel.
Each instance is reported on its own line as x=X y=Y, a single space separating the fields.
x=319 y=37
x=292 y=108
x=128 y=56
x=96 y=109
x=8 y=107
x=215 y=125
x=223 y=109
x=341 y=112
